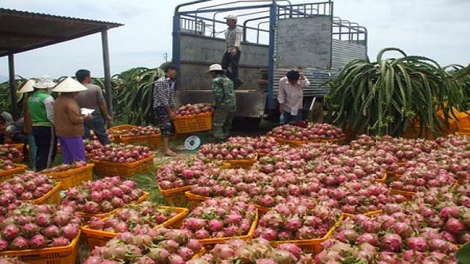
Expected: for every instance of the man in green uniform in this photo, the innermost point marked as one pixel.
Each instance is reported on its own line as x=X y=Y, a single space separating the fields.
x=225 y=102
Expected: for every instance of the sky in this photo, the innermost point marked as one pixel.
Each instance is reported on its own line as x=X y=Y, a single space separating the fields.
x=437 y=29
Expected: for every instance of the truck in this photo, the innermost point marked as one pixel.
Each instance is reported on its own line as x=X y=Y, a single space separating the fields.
x=277 y=37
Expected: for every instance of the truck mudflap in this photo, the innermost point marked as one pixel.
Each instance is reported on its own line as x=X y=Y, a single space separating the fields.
x=250 y=103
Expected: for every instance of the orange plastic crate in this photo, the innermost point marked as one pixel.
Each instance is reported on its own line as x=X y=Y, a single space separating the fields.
x=193 y=123
x=383 y=179
x=249 y=235
x=311 y=245
x=54 y=255
x=107 y=168
x=152 y=141
x=194 y=199
x=408 y=195
x=340 y=140
x=120 y=129
x=175 y=196
x=368 y=214
x=292 y=143
x=8 y=174
x=73 y=177
x=52 y=197
x=87 y=216
x=98 y=238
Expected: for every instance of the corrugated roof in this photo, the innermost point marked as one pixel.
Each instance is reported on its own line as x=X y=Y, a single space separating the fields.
x=22 y=31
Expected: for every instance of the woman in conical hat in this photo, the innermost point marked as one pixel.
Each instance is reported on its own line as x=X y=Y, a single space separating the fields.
x=69 y=121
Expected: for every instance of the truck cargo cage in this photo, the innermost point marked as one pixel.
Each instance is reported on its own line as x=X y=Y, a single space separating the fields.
x=326 y=46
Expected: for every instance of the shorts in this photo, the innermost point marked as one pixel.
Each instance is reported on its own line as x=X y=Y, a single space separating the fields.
x=164 y=121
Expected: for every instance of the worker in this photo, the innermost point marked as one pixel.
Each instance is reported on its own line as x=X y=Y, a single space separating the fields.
x=5 y=120
x=29 y=148
x=93 y=98
x=164 y=106
x=225 y=102
x=69 y=121
x=40 y=105
x=233 y=38
x=291 y=96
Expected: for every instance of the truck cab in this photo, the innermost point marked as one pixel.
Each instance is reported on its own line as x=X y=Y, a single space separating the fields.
x=277 y=36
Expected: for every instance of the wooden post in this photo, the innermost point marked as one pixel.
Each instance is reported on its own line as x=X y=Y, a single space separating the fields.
x=107 y=72
x=14 y=106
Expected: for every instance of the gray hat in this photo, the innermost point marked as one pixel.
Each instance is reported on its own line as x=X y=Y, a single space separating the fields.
x=44 y=82
x=6 y=117
x=231 y=17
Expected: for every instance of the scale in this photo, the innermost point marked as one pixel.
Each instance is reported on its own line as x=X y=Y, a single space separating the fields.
x=192 y=142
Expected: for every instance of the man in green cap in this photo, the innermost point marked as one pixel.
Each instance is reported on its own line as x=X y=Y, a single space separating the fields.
x=225 y=102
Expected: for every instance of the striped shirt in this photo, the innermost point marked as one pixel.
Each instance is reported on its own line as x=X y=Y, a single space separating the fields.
x=163 y=93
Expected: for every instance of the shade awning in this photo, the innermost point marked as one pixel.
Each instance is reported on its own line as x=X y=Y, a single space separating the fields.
x=22 y=31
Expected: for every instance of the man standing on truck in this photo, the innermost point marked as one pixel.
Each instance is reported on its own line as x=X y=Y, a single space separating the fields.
x=291 y=95
x=233 y=39
x=225 y=103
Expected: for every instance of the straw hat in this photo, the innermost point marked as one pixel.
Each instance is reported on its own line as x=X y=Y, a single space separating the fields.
x=28 y=86
x=69 y=85
x=44 y=82
x=231 y=17
x=215 y=67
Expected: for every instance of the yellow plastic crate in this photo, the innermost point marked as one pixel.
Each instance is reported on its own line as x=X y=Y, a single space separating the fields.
x=73 y=177
x=107 y=168
x=52 y=197
x=8 y=174
x=193 y=123
x=98 y=238
x=54 y=255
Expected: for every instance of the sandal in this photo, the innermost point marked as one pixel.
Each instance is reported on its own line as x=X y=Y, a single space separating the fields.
x=170 y=154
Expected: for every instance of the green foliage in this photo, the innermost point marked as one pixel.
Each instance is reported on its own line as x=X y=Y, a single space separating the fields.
x=385 y=96
x=5 y=98
x=133 y=95
x=463 y=254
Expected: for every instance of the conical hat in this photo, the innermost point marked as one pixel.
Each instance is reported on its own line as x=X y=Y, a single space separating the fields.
x=28 y=86
x=69 y=85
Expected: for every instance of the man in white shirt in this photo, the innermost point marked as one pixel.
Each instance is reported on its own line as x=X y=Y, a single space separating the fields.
x=233 y=38
x=291 y=96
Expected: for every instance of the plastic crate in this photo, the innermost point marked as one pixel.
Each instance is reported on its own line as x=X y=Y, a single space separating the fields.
x=54 y=255
x=292 y=143
x=107 y=168
x=193 y=123
x=120 y=129
x=194 y=199
x=52 y=197
x=383 y=179
x=249 y=235
x=8 y=174
x=235 y=162
x=408 y=195
x=73 y=177
x=368 y=214
x=152 y=141
x=98 y=238
x=87 y=216
x=311 y=245
x=175 y=196
x=338 y=141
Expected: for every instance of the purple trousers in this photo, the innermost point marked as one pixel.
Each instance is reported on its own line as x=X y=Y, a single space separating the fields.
x=72 y=148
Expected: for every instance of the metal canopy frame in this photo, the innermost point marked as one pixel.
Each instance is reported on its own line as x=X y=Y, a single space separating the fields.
x=22 y=31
